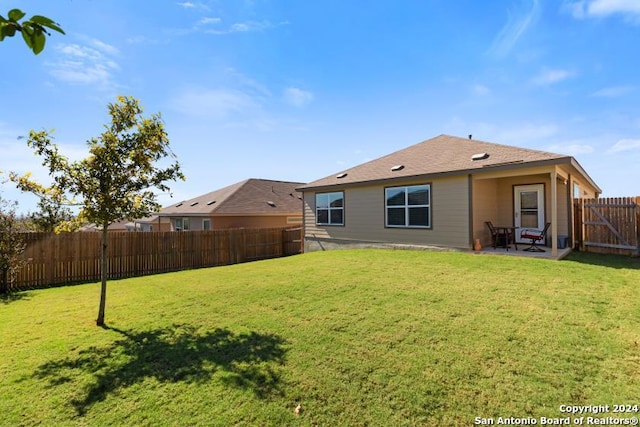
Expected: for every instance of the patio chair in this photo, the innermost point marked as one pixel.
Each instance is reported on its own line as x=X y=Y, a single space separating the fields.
x=497 y=238
x=536 y=236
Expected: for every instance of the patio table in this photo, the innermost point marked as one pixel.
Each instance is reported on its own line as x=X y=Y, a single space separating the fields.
x=502 y=237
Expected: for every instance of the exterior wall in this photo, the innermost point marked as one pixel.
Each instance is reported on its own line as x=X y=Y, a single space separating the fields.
x=485 y=208
x=224 y=222
x=155 y=226
x=364 y=217
x=218 y=222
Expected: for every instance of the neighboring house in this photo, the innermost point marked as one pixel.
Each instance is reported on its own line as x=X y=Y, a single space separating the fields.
x=124 y=225
x=253 y=203
x=153 y=223
x=440 y=192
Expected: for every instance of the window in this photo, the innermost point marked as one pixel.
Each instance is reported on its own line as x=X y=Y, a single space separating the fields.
x=182 y=224
x=576 y=190
x=408 y=206
x=330 y=208
x=206 y=224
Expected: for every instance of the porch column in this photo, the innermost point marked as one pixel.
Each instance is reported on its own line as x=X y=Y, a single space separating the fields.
x=554 y=213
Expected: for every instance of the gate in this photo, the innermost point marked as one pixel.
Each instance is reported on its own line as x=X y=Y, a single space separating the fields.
x=608 y=225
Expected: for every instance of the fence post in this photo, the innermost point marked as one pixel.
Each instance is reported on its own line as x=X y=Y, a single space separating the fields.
x=582 y=226
x=637 y=226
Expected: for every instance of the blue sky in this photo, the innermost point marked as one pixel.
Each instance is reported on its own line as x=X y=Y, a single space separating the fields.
x=298 y=90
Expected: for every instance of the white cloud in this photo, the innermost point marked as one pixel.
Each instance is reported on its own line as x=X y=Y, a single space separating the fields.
x=547 y=77
x=192 y=5
x=214 y=103
x=82 y=64
x=209 y=21
x=297 y=97
x=630 y=9
x=613 y=91
x=481 y=90
x=246 y=27
x=624 y=145
x=104 y=47
x=517 y=24
x=240 y=79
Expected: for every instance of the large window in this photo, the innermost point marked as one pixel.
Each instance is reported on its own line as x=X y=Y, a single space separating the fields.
x=408 y=206
x=330 y=208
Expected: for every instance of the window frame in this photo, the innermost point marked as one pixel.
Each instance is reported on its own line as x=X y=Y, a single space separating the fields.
x=406 y=207
x=330 y=209
x=204 y=224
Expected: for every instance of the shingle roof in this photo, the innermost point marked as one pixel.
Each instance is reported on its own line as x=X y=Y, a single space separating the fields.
x=248 y=197
x=442 y=154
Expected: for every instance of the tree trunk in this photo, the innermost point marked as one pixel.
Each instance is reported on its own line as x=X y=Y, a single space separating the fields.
x=103 y=277
x=4 y=282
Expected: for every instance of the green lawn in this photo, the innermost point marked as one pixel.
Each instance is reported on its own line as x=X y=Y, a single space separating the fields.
x=372 y=337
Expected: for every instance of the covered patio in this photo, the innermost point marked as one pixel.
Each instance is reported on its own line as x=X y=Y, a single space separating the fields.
x=528 y=198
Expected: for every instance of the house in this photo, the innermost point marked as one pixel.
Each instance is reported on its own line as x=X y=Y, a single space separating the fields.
x=123 y=225
x=441 y=192
x=152 y=223
x=252 y=203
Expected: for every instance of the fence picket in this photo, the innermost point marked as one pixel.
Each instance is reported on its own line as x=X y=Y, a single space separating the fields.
x=608 y=225
x=55 y=259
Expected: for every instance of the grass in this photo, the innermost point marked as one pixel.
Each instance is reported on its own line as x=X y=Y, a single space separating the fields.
x=370 y=337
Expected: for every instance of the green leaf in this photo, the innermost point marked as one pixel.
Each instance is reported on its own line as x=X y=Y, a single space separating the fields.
x=7 y=30
x=27 y=35
x=46 y=22
x=15 y=15
x=38 y=41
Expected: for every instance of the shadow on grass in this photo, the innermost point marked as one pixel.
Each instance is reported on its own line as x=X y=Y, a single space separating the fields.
x=605 y=260
x=10 y=297
x=176 y=354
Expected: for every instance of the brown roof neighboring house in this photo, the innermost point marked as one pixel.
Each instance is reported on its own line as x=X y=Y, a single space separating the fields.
x=251 y=196
x=244 y=201
x=124 y=225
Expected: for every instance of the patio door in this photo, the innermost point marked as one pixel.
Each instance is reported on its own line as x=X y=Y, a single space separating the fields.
x=529 y=208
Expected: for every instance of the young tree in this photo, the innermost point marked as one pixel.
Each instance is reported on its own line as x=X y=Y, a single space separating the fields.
x=50 y=214
x=33 y=30
x=11 y=245
x=116 y=180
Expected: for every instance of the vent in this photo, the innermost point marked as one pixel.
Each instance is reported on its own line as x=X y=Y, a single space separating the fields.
x=480 y=156
x=210 y=202
x=194 y=203
x=341 y=175
x=397 y=168
x=178 y=205
x=272 y=204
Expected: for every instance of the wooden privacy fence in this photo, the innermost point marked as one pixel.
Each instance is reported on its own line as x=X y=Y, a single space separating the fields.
x=75 y=257
x=608 y=225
